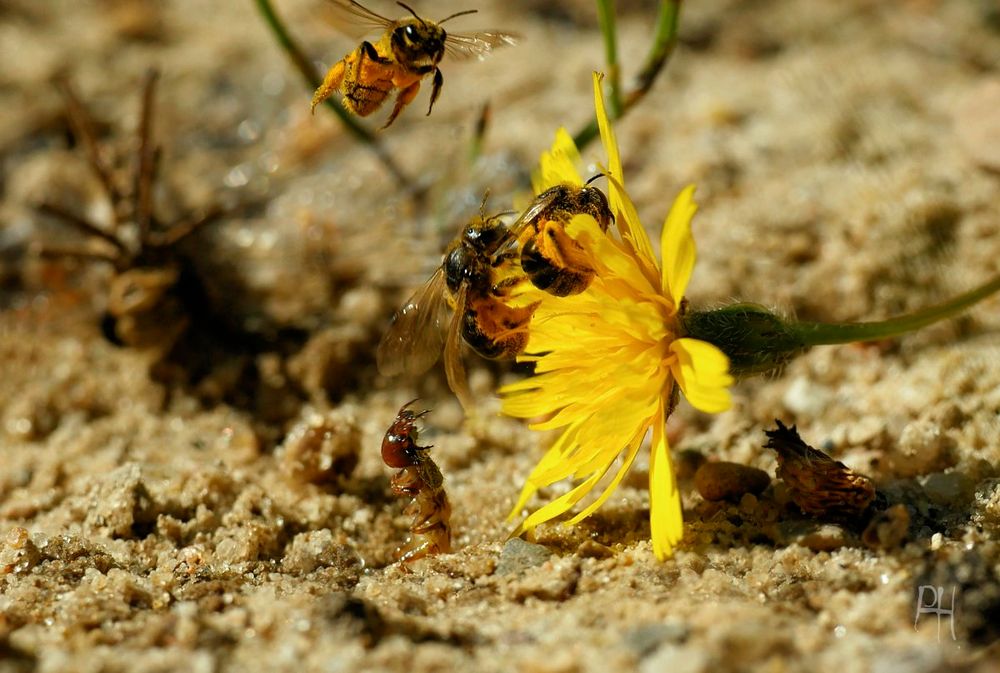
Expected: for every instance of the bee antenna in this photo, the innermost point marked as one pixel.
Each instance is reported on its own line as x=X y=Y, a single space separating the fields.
x=415 y=399
x=422 y=413
x=410 y=10
x=595 y=178
x=482 y=204
x=462 y=13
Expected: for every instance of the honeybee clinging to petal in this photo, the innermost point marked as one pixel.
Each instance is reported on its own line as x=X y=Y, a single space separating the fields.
x=477 y=277
x=550 y=258
x=408 y=51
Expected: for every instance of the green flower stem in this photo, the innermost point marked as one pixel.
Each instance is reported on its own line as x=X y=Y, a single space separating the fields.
x=479 y=132
x=758 y=341
x=606 y=19
x=664 y=42
x=818 y=334
x=313 y=80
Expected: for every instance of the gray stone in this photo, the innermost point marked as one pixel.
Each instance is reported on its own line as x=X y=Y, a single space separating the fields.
x=518 y=555
x=645 y=639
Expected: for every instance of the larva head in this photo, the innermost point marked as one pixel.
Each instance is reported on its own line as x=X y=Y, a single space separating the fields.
x=399 y=446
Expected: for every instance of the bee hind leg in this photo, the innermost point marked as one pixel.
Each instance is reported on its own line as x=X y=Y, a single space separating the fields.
x=404 y=98
x=435 y=89
x=331 y=83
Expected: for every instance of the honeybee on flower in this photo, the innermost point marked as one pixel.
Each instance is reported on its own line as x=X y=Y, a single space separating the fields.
x=621 y=337
x=611 y=360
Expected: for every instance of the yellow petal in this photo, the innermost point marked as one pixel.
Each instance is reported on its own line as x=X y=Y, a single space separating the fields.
x=557 y=506
x=633 y=449
x=558 y=165
x=527 y=491
x=598 y=445
x=607 y=133
x=666 y=520
x=552 y=457
x=677 y=244
x=632 y=231
x=627 y=218
x=702 y=372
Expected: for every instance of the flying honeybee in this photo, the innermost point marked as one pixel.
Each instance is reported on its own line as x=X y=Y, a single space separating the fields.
x=477 y=276
x=408 y=51
x=549 y=257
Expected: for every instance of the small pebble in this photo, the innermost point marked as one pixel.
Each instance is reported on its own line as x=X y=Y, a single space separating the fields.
x=317 y=549
x=677 y=659
x=645 y=639
x=554 y=580
x=922 y=448
x=808 y=534
x=729 y=481
x=322 y=447
x=947 y=488
x=518 y=555
x=826 y=538
x=748 y=504
x=18 y=554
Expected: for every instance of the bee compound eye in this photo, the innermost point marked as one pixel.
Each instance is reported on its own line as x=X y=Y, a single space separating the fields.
x=410 y=32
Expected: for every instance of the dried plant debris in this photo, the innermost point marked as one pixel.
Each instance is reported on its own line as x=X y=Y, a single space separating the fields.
x=154 y=291
x=159 y=298
x=821 y=486
x=419 y=478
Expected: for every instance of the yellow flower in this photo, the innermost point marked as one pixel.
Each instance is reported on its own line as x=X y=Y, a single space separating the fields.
x=558 y=165
x=608 y=360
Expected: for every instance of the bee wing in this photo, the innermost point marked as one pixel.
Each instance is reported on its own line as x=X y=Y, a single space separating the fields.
x=477 y=44
x=518 y=226
x=354 y=19
x=454 y=368
x=541 y=202
x=413 y=341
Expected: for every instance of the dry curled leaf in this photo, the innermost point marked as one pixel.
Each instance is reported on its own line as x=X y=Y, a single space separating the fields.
x=821 y=486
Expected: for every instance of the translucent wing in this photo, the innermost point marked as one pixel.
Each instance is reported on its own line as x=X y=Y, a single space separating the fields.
x=413 y=341
x=532 y=212
x=477 y=44
x=355 y=19
x=454 y=368
x=519 y=229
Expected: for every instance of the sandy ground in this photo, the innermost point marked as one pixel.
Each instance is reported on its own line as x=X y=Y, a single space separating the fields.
x=230 y=511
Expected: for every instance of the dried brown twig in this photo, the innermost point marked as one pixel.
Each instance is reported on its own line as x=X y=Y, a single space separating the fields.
x=144 y=303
